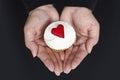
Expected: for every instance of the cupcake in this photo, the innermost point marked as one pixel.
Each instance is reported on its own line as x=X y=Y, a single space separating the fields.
x=59 y=35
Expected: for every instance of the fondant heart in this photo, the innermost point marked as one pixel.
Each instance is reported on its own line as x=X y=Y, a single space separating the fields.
x=59 y=31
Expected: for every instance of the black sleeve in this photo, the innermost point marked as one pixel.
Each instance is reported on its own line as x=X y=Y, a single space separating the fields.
x=32 y=4
x=82 y=3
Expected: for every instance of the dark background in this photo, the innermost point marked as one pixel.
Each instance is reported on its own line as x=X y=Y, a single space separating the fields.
x=17 y=63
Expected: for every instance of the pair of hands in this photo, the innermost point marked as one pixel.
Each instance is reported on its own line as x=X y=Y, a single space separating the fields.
x=85 y=25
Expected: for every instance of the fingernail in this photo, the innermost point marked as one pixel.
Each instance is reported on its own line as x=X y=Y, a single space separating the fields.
x=89 y=50
x=62 y=58
x=51 y=69
x=34 y=54
x=67 y=71
x=58 y=74
x=74 y=66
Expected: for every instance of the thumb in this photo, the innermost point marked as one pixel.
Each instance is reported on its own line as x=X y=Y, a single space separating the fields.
x=34 y=48
x=66 y=17
x=30 y=42
x=92 y=40
x=90 y=44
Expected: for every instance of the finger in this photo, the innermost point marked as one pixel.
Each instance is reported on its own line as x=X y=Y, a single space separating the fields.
x=67 y=54
x=67 y=18
x=45 y=58
x=90 y=44
x=30 y=42
x=40 y=42
x=62 y=55
x=92 y=39
x=34 y=48
x=80 y=40
x=80 y=55
x=55 y=58
x=58 y=68
x=32 y=30
x=68 y=67
x=53 y=16
x=52 y=12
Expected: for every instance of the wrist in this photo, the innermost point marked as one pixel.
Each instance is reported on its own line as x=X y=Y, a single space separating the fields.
x=41 y=8
x=78 y=9
x=84 y=9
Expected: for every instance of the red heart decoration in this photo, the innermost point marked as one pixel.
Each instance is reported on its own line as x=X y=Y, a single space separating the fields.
x=59 y=31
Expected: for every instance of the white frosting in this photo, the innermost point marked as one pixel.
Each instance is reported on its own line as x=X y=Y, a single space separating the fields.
x=56 y=42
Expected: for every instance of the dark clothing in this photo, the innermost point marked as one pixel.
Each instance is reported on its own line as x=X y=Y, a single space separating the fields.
x=17 y=63
x=32 y=4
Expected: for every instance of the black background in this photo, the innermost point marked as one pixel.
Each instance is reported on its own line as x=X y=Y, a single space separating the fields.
x=17 y=63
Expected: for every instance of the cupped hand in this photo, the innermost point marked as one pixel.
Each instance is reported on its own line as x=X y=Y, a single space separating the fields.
x=87 y=32
x=37 y=21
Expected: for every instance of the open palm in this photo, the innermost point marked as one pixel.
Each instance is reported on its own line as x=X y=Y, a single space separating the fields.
x=87 y=30
x=35 y=25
